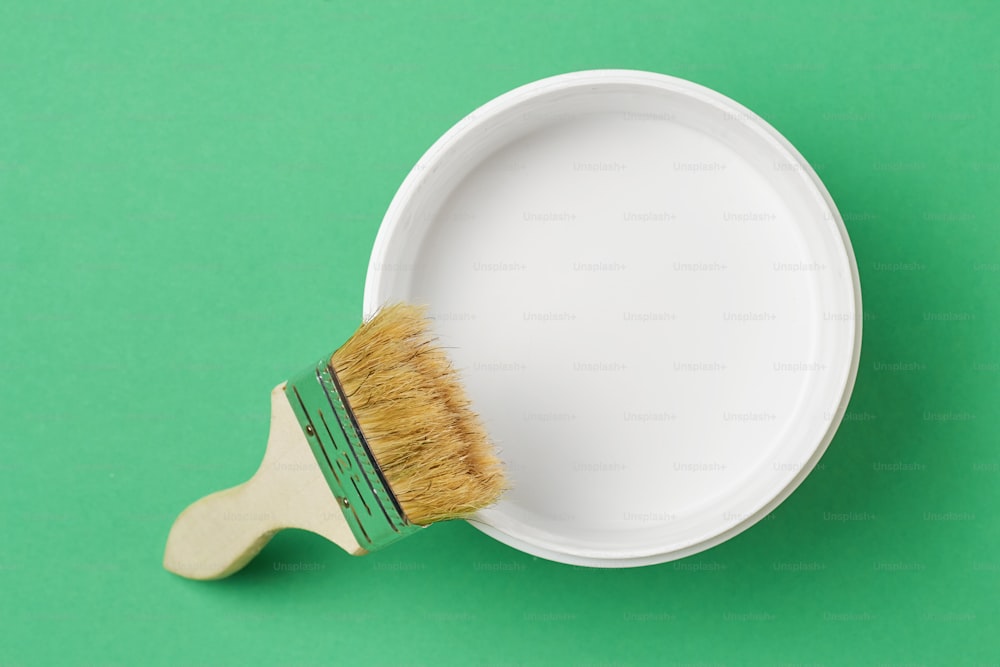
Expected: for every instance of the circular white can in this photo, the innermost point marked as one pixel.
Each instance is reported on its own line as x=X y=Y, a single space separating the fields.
x=651 y=298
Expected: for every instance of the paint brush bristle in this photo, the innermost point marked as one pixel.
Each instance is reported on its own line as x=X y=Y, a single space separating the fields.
x=414 y=413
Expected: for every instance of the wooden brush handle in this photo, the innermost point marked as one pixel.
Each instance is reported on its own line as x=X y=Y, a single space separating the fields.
x=219 y=534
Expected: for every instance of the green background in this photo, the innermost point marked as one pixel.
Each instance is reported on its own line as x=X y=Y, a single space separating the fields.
x=167 y=169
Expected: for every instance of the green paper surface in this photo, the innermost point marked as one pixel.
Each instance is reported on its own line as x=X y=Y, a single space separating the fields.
x=168 y=168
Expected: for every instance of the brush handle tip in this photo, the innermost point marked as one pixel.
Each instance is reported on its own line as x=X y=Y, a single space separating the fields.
x=222 y=532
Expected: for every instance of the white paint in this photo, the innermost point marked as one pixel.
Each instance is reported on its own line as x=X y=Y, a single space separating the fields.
x=652 y=300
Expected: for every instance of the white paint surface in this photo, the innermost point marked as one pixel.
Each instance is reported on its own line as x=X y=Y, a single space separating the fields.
x=651 y=298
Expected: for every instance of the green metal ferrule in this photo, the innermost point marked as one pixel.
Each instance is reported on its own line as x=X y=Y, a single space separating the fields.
x=364 y=496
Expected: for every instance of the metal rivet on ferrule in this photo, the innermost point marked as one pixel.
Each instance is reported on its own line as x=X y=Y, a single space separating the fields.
x=310 y=430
